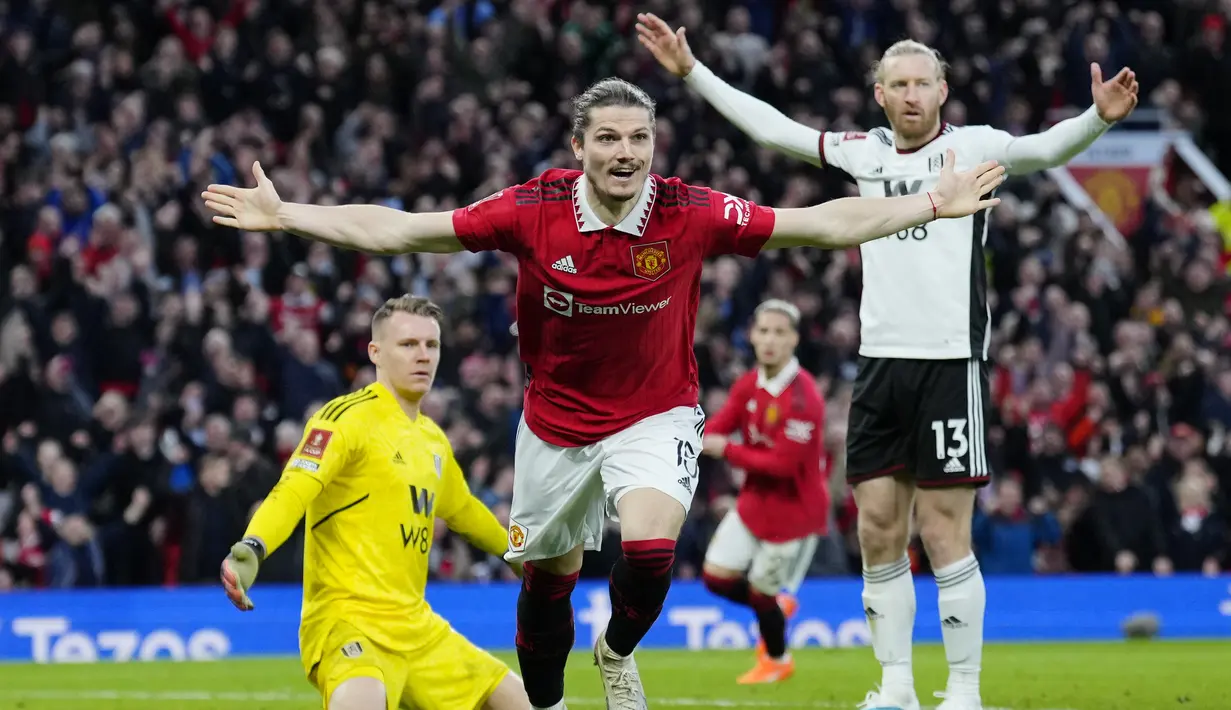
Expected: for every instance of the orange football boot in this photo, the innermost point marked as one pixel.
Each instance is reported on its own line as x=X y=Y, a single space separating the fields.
x=768 y=670
x=789 y=606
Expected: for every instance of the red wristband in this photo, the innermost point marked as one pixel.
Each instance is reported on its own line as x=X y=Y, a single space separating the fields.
x=933 y=205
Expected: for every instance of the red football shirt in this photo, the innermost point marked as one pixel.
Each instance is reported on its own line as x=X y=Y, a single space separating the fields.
x=782 y=422
x=605 y=315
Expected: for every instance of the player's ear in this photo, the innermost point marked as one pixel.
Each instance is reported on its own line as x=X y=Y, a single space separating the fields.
x=879 y=92
x=577 y=146
x=944 y=92
x=374 y=353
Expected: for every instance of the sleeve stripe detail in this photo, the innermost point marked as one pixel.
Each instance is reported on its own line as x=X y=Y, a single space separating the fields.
x=338 y=414
x=333 y=406
x=820 y=150
x=348 y=506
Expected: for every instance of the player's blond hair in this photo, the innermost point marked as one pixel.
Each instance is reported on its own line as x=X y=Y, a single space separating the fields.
x=777 y=305
x=906 y=48
x=406 y=303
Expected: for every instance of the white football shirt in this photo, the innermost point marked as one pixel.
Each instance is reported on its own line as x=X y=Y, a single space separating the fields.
x=924 y=289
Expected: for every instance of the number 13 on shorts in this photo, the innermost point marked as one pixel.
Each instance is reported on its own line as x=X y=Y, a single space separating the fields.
x=950 y=431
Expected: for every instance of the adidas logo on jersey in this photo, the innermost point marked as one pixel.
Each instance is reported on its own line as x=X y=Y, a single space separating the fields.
x=686 y=483
x=565 y=264
x=397 y=458
x=954 y=466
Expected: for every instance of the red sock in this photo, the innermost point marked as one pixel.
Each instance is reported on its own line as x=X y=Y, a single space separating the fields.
x=639 y=583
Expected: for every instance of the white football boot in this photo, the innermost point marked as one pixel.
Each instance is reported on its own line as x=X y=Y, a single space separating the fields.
x=621 y=681
x=950 y=701
x=881 y=700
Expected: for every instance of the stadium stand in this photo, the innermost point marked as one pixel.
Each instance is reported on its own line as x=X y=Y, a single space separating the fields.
x=155 y=370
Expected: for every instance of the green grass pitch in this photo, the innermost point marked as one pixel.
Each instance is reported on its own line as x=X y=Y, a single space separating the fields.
x=1111 y=676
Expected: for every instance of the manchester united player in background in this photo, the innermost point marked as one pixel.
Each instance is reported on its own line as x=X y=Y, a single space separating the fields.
x=764 y=545
x=609 y=270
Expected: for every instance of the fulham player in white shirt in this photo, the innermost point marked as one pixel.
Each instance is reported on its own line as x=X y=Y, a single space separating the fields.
x=917 y=423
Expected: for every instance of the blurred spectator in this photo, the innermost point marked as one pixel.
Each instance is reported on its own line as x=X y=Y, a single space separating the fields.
x=1129 y=535
x=214 y=519
x=1196 y=540
x=1008 y=536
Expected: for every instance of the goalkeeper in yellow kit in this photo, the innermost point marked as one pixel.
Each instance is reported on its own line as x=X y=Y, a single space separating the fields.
x=371 y=474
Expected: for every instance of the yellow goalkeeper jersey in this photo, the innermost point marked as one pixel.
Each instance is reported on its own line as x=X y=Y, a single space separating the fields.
x=371 y=482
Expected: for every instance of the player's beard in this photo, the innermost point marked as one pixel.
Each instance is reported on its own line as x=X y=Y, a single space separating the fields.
x=913 y=126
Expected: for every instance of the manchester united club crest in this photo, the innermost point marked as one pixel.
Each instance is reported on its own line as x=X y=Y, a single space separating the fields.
x=651 y=261
x=771 y=414
x=517 y=537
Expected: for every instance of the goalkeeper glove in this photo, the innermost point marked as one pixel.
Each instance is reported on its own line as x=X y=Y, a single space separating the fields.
x=239 y=571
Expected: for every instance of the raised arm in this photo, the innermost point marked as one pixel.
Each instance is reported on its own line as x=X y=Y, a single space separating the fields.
x=1054 y=147
x=369 y=228
x=851 y=221
x=763 y=123
x=1114 y=100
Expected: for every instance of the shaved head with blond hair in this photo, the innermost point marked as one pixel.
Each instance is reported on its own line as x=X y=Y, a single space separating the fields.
x=909 y=47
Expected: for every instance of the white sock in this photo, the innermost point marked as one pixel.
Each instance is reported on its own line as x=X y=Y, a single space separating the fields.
x=963 y=599
x=889 y=604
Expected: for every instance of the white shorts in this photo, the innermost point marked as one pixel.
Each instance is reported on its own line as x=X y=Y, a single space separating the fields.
x=562 y=496
x=772 y=567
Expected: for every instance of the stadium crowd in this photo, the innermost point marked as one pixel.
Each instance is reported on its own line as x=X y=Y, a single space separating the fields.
x=155 y=370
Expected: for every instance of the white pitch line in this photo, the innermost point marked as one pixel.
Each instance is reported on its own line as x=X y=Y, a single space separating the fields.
x=287 y=696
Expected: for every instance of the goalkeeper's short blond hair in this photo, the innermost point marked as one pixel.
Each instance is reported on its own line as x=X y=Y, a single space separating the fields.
x=406 y=303
x=906 y=48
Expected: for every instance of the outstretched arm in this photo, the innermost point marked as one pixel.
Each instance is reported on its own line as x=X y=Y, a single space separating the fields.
x=1053 y=147
x=1114 y=100
x=763 y=123
x=369 y=228
x=851 y=221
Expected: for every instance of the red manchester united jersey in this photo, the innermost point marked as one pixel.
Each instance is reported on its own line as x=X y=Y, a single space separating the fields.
x=605 y=314
x=781 y=421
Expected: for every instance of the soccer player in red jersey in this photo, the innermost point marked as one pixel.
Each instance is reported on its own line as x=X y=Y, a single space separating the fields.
x=609 y=272
x=761 y=550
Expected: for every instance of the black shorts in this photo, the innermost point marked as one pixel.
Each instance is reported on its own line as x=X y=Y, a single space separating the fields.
x=925 y=419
